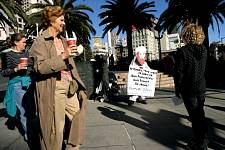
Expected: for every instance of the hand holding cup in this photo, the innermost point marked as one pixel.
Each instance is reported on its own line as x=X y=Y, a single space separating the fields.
x=72 y=45
x=72 y=49
x=23 y=63
x=75 y=50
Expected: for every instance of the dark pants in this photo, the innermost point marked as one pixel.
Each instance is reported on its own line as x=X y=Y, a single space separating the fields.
x=194 y=106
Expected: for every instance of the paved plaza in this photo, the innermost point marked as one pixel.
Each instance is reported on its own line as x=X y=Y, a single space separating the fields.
x=159 y=125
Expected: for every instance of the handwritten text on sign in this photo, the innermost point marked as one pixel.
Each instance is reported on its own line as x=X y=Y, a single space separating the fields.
x=141 y=81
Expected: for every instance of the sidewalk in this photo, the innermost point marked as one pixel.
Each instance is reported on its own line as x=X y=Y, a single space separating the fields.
x=159 y=125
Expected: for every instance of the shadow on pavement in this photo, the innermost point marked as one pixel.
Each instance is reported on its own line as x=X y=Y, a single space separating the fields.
x=215 y=97
x=154 y=125
x=216 y=141
x=216 y=107
x=159 y=126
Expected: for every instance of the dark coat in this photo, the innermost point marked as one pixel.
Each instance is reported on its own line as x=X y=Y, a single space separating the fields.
x=189 y=73
x=48 y=65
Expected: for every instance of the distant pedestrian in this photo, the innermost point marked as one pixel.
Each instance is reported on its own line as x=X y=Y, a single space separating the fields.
x=189 y=77
x=19 y=81
x=111 y=62
x=60 y=93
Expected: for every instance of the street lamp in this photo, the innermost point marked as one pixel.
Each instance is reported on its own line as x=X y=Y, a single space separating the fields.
x=36 y=29
x=221 y=40
x=158 y=37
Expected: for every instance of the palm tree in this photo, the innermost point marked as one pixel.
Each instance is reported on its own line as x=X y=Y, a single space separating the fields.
x=75 y=18
x=124 y=14
x=180 y=12
x=8 y=10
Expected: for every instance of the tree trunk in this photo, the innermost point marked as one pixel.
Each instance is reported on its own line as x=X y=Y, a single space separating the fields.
x=206 y=41
x=205 y=27
x=129 y=45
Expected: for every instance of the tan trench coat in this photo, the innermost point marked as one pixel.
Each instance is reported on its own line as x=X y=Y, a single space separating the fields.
x=47 y=64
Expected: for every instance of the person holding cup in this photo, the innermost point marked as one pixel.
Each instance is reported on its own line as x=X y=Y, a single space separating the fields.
x=18 y=70
x=60 y=92
x=73 y=41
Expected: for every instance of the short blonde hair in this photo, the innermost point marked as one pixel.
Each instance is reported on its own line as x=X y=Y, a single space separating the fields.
x=51 y=13
x=193 y=34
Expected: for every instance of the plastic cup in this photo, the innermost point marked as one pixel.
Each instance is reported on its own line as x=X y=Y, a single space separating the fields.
x=24 y=61
x=71 y=41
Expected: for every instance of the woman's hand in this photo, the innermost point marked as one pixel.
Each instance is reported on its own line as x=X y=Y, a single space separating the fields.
x=70 y=52
x=20 y=66
x=72 y=49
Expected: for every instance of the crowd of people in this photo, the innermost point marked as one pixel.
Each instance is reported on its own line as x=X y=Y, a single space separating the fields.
x=57 y=93
x=45 y=88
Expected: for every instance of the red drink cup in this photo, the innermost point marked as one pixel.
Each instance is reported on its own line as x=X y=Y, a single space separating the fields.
x=71 y=41
x=24 y=61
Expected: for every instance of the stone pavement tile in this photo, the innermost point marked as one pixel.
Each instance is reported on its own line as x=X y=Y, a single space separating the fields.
x=19 y=144
x=217 y=139
x=167 y=104
x=216 y=108
x=98 y=119
x=219 y=124
x=116 y=147
x=11 y=139
x=107 y=114
x=152 y=138
x=157 y=146
x=7 y=136
x=220 y=133
x=216 y=133
x=216 y=95
x=92 y=107
x=216 y=115
x=106 y=136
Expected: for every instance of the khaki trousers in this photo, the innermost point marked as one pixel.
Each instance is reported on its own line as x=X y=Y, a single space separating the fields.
x=64 y=106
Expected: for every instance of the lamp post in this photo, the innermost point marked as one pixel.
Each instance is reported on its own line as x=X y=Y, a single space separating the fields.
x=221 y=40
x=158 y=37
x=36 y=29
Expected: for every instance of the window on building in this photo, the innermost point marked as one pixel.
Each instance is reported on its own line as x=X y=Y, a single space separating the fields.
x=20 y=25
x=10 y=30
x=19 y=20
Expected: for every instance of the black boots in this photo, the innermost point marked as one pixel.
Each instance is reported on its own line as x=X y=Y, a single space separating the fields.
x=11 y=123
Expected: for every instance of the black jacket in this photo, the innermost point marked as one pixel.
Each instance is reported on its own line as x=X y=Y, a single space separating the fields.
x=12 y=60
x=189 y=75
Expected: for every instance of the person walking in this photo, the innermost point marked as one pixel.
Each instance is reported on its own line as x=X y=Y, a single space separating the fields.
x=111 y=62
x=60 y=93
x=19 y=81
x=189 y=77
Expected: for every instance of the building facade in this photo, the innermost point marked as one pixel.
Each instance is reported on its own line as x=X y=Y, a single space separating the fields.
x=154 y=43
x=170 y=42
x=99 y=48
x=8 y=31
x=146 y=38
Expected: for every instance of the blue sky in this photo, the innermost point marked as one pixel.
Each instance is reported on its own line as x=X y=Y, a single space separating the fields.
x=160 y=6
